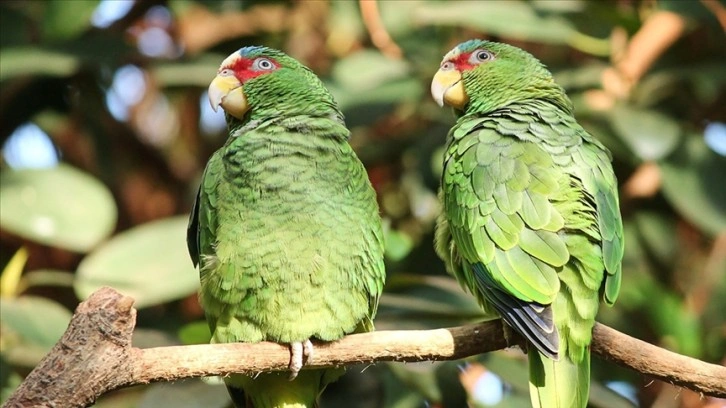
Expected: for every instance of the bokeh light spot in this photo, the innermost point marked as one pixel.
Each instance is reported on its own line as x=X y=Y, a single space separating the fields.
x=127 y=89
x=109 y=11
x=488 y=389
x=715 y=137
x=156 y=42
x=29 y=147
x=624 y=389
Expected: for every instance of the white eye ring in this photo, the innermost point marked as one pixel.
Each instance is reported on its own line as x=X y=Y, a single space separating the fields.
x=262 y=64
x=479 y=56
x=447 y=66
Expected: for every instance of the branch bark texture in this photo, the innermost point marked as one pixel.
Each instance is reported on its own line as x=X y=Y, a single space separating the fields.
x=95 y=355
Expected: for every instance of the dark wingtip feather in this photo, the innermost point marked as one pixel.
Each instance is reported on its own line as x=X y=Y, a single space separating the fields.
x=532 y=320
x=193 y=232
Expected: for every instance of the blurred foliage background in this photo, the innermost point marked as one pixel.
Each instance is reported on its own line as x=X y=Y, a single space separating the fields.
x=105 y=130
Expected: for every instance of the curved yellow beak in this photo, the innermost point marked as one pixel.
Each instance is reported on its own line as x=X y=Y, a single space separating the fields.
x=226 y=91
x=447 y=87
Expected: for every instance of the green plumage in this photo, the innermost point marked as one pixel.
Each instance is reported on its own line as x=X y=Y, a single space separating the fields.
x=531 y=224
x=286 y=230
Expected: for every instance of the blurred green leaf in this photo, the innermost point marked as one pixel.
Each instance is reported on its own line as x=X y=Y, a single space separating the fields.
x=360 y=387
x=15 y=29
x=197 y=73
x=511 y=19
x=185 y=394
x=655 y=88
x=149 y=263
x=345 y=22
x=195 y=333
x=48 y=277
x=367 y=70
x=679 y=328
x=562 y=6
x=650 y=134
x=67 y=19
x=39 y=321
x=582 y=77
x=708 y=79
x=693 y=181
x=392 y=93
x=369 y=78
x=715 y=341
x=31 y=326
x=148 y=338
x=658 y=233
x=419 y=377
x=514 y=19
x=398 y=245
x=418 y=302
x=61 y=207
x=10 y=381
x=447 y=378
x=123 y=398
x=397 y=395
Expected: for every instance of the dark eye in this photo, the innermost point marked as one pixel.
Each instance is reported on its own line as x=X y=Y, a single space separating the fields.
x=262 y=64
x=479 y=56
x=447 y=66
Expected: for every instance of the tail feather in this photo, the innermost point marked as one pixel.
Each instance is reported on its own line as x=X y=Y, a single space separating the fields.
x=558 y=384
x=532 y=320
x=274 y=390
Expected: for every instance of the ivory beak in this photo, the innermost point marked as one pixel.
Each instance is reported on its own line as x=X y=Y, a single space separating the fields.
x=447 y=87
x=226 y=91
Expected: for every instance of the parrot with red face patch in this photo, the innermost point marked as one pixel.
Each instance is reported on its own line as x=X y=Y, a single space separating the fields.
x=285 y=229
x=531 y=222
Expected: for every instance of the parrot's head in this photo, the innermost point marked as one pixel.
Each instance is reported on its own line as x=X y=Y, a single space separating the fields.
x=480 y=76
x=267 y=81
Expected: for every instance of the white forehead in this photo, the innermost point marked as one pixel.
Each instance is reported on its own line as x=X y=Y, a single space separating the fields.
x=229 y=60
x=453 y=54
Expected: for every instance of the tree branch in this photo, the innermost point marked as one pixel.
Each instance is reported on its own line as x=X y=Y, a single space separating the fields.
x=95 y=355
x=377 y=30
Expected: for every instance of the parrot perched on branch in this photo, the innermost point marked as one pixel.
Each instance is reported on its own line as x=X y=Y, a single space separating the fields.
x=531 y=222
x=285 y=228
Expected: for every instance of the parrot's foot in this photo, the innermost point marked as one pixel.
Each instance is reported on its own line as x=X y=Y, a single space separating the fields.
x=300 y=354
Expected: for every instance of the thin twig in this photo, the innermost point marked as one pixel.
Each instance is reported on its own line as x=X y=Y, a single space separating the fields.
x=718 y=10
x=377 y=30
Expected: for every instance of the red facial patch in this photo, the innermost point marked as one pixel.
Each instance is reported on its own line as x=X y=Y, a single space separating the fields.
x=243 y=70
x=462 y=62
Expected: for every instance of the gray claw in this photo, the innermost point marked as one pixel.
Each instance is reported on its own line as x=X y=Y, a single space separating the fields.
x=300 y=354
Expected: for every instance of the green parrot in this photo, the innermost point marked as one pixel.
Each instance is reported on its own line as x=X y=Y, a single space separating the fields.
x=285 y=228
x=531 y=222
